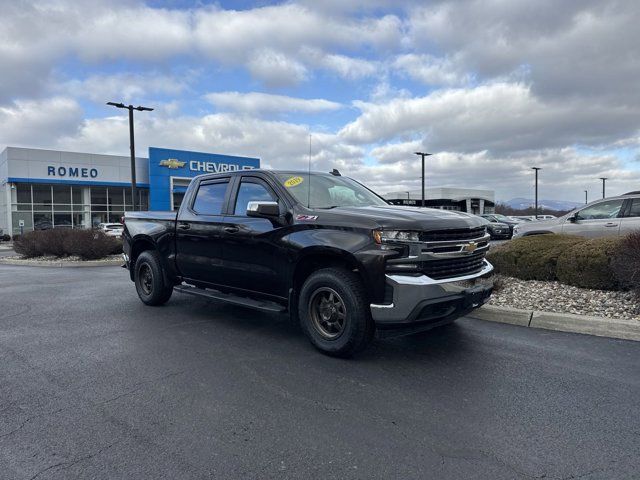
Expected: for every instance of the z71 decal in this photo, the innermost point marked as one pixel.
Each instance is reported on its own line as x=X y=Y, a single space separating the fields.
x=307 y=218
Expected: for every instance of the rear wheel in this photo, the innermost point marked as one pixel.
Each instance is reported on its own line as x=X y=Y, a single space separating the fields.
x=334 y=312
x=150 y=282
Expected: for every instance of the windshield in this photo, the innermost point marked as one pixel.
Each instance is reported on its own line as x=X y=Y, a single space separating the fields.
x=502 y=217
x=328 y=191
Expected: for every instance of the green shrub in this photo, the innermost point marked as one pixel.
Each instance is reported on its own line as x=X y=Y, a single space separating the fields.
x=588 y=264
x=626 y=264
x=531 y=258
x=87 y=244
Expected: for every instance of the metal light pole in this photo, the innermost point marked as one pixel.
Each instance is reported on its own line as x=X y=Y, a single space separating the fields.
x=423 y=154
x=604 y=179
x=132 y=146
x=536 y=169
x=585 y=197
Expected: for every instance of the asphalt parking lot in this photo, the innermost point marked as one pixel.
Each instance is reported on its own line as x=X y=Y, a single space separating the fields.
x=96 y=385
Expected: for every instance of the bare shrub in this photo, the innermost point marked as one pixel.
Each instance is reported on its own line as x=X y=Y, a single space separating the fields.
x=626 y=264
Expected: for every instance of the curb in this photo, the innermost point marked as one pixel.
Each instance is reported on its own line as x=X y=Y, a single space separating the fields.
x=60 y=264
x=561 y=322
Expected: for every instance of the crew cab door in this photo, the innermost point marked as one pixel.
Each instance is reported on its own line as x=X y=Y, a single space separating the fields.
x=250 y=251
x=598 y=220
x=630 y=222
x=199 y=232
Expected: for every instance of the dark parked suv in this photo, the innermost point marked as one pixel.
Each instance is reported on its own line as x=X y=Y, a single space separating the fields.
x=322 y=247
x=498 y=218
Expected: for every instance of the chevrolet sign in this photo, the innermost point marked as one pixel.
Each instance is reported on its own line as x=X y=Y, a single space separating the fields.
x=172 y=163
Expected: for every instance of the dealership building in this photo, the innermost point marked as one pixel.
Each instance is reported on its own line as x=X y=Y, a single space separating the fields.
x=459 y=199
x=42 y=189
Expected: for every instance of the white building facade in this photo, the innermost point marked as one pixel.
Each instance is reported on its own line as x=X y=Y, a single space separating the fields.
x=447 y=198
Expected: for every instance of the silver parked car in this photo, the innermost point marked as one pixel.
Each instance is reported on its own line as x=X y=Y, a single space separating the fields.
x=605 y=217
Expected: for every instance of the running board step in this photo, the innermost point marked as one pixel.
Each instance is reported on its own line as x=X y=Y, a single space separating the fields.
x=264 y=305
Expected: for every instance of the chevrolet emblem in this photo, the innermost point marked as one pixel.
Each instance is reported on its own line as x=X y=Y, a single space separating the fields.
x=470 y=247
x=172 y=163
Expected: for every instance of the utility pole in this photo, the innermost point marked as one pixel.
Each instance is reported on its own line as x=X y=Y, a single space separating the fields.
x=132 y=147
x=536 y=170
x=585 y=197
x=604 y=179
x=423 y=154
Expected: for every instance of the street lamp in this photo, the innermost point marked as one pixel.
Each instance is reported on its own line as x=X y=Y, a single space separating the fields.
x=132 y=145
x=536 y=169
x=423 y=154
x=604 y=179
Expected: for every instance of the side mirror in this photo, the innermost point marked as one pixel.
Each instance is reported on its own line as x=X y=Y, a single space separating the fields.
x=573 y=218
x=263 y=209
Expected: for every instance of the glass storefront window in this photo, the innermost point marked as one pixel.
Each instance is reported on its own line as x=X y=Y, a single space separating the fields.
x=79 y=220
x=62 y=194
x=98 y=196
x=98 y=218
x=115 y=216
x=42 y=221
x=76 y=195
x=23 y=193
x=116 y=196
x=25 y=217
x=42 y=194
x=62 y=220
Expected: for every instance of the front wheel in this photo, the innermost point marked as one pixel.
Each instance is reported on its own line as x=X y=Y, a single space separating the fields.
x=334 y=312
x=150 y=282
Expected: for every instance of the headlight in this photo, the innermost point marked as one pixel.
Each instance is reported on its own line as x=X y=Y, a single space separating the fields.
x=382 y=236
x=515 y=229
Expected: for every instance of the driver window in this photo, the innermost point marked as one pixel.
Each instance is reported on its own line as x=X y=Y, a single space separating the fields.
x=602 y=210
x=251 y=192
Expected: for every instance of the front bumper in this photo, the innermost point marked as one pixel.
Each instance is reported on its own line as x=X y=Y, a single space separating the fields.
x=425 y=301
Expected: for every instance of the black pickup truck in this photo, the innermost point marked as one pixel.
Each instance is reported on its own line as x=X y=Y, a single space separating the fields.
x=337 y=257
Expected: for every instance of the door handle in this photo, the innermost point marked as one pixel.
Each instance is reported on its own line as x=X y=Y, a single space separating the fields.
x=231 y=229
x=184 y=226
x=610 y=224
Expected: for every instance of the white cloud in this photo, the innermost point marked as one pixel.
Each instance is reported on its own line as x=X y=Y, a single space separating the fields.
x=260 y=103
x=499 y=117
x=276 y=69
x=279 y=144
x=432 y=70
x=346 y=67
x=125 y=86
x=38 y=123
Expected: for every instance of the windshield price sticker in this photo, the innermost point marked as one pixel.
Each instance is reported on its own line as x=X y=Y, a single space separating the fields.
x=293 y=182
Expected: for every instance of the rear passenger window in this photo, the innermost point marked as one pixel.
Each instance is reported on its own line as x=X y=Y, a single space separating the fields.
x=210 y=198
x=635 y=208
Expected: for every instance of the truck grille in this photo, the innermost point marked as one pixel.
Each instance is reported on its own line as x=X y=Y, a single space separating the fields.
x=453 y=234
x=453 y=267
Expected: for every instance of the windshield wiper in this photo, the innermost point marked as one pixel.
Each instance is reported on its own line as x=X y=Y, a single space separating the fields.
x=327 y=208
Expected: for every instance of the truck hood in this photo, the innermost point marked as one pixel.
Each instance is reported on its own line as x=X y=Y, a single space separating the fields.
x=398 y=218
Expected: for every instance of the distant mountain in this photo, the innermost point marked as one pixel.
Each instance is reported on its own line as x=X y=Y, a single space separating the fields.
x=522 y=203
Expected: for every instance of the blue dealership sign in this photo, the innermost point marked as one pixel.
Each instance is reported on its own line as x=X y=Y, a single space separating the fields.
x=170 y=169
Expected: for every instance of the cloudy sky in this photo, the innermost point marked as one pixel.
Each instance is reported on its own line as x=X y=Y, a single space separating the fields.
x=492 y=87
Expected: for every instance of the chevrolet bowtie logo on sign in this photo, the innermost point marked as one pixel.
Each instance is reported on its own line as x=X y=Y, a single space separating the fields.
x=470 y=247
x=172 y=163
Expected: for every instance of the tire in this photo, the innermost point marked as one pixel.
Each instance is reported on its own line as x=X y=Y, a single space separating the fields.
x=150 y=281
x=334 y=312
